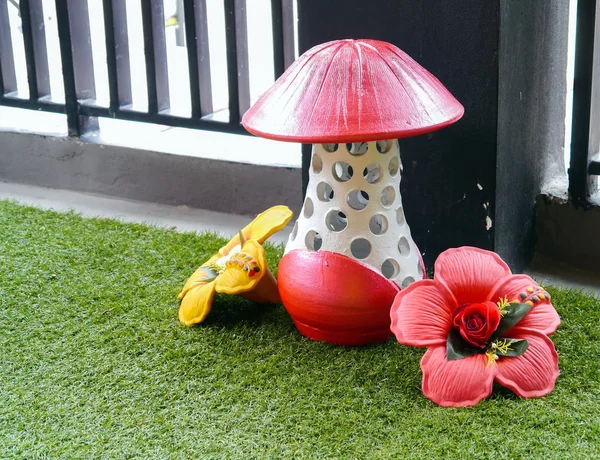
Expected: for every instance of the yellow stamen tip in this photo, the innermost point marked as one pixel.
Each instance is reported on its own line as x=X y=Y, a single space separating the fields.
x=530 y=303
x=492 y=357
x=530 y=289
x=503 y=303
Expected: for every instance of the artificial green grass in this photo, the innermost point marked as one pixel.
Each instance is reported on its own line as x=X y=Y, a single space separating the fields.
x=94 y=364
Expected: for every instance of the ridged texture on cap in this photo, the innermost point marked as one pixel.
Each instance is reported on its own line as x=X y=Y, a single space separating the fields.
x=352 y=90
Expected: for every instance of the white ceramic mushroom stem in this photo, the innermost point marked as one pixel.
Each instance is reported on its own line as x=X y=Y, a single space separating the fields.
x=353 y=207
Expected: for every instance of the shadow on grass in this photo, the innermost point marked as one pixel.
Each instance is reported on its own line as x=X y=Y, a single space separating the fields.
x=232 y=310
x=500 y=392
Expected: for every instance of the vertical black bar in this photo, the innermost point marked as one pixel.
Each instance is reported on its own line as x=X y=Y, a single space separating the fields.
x=191 y=41
x=306 y=158
x=232 y=71
x=121 y=35
x=582 y=100
x=40 y=51
x=206 y=106
x=117 y=54
x=8 y=77
x=594 y=140
x=149 y=55
x=289 y=34
x=66 y=54
x=25 y=12
x=81 y=42
x=277 y=27
x=111 y=56
x=236 y=39
x=282 y=16
x=153 y=21
x=243 y=66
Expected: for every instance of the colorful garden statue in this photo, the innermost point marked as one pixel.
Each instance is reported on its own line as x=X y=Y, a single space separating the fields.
x=352 y=99
x=350 y=265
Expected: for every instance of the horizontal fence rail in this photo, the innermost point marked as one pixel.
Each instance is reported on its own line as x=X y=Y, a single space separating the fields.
x=76 y=53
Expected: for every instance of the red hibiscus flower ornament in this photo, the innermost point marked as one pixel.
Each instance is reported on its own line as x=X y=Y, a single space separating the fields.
x=481 y=324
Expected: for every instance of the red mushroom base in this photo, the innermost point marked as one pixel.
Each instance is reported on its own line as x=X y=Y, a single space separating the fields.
x=334 y=298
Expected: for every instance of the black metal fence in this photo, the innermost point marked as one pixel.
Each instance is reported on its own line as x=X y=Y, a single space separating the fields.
x=585 y=141
x=80 y=105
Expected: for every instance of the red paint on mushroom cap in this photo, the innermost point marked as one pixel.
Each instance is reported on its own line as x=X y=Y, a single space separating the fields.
x=334 y=298
x=352 y=90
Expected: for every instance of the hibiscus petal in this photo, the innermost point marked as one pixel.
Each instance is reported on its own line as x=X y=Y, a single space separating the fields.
x=235 y=280
x=458 y=383
x=198 y=278
x=542 y=316
x=262 y=227
x=197 y=303
x=534 y=373
x=421 y=315
x=470 y=274
x=266 y=290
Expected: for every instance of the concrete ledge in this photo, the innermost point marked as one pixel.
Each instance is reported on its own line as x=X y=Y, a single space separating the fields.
x=182 y=218
x=219 y=185
x=567 y=235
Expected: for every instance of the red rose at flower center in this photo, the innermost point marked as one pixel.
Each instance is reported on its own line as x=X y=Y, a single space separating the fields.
x=476 y=322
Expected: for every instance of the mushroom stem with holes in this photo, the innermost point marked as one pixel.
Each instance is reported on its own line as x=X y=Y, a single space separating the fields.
x=353 y=206
x=351 y=99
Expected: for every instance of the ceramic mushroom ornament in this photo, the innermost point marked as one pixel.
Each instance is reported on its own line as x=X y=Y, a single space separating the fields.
x=351 y=99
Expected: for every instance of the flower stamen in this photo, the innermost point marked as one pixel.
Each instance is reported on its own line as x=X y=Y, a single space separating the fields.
x=503 y=304
x=216 y=268
x=492 y=357
x=502 y=345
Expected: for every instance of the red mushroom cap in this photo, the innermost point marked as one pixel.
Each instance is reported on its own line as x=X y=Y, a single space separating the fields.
x=352 y=90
